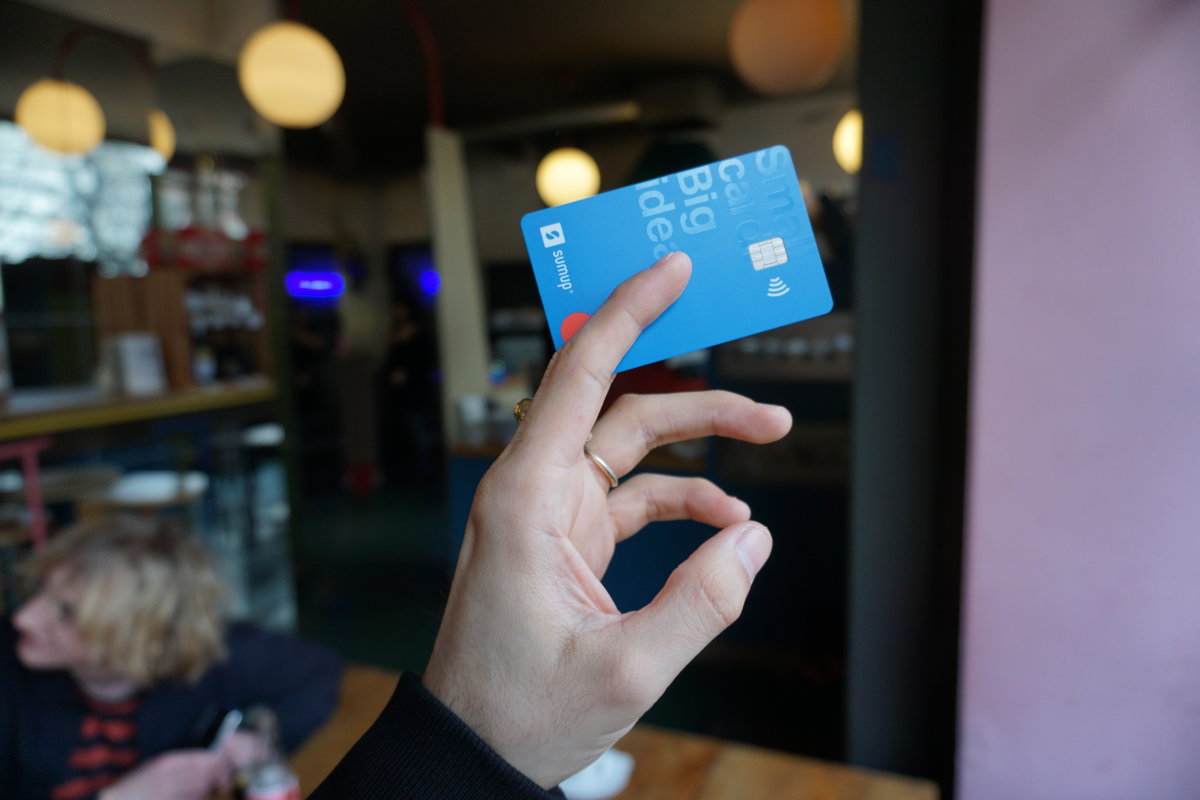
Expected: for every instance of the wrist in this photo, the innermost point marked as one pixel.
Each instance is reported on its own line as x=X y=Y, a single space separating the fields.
x=475 y=715
x=428 y=729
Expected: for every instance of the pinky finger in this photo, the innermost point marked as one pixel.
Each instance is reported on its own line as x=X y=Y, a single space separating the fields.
x=656 y=498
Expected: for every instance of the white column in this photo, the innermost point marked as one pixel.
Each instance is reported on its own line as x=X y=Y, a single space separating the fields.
x=462 y=332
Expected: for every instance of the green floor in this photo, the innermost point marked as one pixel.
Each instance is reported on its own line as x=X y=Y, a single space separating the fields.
x=372 y=575
x=372 y=581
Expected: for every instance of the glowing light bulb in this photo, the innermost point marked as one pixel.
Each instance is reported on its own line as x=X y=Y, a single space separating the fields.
x=162 y=133
x=784 y=46
x=60 y=116
x=291 y=75
x=847 y=141
x=565 y=175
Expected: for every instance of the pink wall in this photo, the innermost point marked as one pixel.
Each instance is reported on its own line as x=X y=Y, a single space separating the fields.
x=1081 y=643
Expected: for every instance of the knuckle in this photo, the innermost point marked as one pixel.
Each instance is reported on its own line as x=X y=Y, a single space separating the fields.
x=600 y=377
x=640 y=412
x=657 y=508
x=629 y=306
x=726 y=409
x=649 y=433
x=626 y=404
x=721 y=598
x=628 y=414
x=698 y=490
x=574 y=356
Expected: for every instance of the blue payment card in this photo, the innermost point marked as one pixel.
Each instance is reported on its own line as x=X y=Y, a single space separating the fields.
x=755 y=264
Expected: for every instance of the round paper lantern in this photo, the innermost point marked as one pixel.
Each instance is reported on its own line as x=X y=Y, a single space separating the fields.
x=162 y=133
x=61 y=116
x=291 y=75
x=784 y=46
x=565 y=175
x=847 y=141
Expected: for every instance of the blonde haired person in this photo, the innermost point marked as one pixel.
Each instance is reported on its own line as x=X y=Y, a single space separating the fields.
x=118 y=662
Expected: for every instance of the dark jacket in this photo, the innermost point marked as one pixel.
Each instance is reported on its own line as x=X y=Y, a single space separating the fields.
x=41 y=711
x=418 y=749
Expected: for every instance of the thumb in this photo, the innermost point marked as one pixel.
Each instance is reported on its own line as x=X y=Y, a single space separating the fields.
x=702 y=597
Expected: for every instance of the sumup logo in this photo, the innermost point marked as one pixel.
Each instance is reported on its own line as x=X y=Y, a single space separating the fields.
x=564 y=272
x=552 y=235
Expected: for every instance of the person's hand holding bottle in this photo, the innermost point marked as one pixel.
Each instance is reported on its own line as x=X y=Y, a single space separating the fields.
x=190 y=774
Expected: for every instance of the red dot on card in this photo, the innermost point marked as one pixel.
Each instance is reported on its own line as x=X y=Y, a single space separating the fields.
x=571 y=325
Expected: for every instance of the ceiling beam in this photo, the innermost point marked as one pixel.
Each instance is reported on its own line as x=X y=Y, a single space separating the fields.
x=213 y=29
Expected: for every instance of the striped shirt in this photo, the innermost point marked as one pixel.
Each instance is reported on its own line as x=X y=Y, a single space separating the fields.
x=105 y=750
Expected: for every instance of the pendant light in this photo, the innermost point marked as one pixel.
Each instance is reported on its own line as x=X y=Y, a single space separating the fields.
x=291 y=75
x=65 y=117
x=784 y=46
x=162 y=133
x=847 y=141
x=60 y=116
x=565 y=175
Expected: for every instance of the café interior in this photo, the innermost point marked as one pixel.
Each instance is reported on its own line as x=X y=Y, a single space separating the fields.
x=264 y=276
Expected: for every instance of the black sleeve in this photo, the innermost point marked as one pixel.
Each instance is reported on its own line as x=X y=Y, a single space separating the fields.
x=418 y=748
x=8 y=705
x=298 y=679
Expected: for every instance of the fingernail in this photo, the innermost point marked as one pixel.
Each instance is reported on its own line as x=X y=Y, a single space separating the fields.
x=672 y=258
x=753 y=546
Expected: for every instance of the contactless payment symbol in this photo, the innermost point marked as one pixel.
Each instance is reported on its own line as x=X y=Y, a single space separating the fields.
x=768 y=253
x=777 y=288
x=552 y=235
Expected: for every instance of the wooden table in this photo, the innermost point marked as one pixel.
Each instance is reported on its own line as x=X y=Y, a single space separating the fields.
x=365 y=691
x=669 y=765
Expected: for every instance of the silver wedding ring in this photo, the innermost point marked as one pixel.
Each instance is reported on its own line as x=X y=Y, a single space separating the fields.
x=603 y=465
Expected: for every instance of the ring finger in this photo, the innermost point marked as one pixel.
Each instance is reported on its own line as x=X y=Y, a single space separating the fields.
x=636 y=424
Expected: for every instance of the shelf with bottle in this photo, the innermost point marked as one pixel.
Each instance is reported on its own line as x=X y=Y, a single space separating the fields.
x=204 y=296
x=198 y=226
x=210 y=327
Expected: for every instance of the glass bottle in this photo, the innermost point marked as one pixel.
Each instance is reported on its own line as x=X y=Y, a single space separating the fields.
x=270 y=778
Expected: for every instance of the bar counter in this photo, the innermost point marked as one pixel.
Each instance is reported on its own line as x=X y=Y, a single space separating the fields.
x=23 y=418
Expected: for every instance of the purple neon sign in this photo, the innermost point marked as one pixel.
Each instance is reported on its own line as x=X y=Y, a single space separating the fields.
x=315 y=285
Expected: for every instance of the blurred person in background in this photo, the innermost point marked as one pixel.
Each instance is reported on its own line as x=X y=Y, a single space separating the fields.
x=114 y=670
x=409 y=397
x=361 y=346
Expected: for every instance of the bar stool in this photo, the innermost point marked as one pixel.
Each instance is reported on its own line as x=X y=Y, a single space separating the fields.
x=14 y=537
x=149 y=492
x=27 y=451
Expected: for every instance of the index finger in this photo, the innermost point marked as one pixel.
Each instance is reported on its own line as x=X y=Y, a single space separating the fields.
x=573 y=389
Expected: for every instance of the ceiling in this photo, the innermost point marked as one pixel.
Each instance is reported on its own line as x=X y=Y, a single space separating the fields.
x=501 y=61
x=509 y=60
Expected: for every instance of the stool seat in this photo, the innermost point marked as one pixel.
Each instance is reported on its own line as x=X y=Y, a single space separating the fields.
x=155 y=489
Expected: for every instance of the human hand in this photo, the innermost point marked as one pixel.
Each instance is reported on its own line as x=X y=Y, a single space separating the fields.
x=190 y=774
x=244 y=748
x=532 y=653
